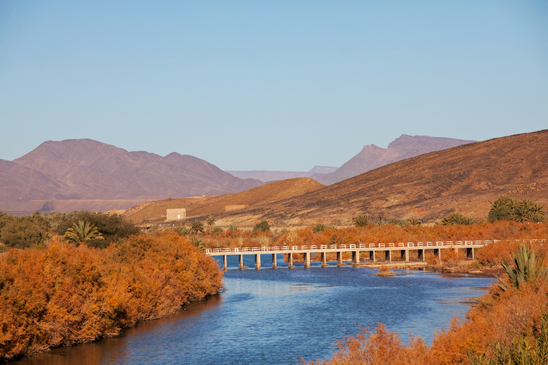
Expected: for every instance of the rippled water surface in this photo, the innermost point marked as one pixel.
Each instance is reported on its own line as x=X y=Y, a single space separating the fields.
x=278 y=316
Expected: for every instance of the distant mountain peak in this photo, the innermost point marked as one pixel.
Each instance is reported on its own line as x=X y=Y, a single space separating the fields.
x=88 y=169
x=372 y=156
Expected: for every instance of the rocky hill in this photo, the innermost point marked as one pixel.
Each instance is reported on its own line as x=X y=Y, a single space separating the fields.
x=372 y=157
x=466 y=179
x=86 y=170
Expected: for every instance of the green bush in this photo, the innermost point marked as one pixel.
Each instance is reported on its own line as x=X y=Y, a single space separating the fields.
x=507 y=208
x=361 y=221
x=457 y=218
x=111 y=227
x=23 y=232
x=318 y=228
x=261 y=227
x=216 y=230
x=183 y=231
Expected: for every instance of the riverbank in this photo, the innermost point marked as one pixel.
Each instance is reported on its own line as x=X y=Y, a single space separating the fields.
x=248 y=321
x=508 y=325
x=64 y=295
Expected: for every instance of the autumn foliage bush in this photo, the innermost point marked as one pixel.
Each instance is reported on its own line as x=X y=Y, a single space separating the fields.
x=499 y=230
x=63 y=295
x=500 y=321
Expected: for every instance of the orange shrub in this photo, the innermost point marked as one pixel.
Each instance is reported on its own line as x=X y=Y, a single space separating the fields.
x=499 y=319
x=63 y=295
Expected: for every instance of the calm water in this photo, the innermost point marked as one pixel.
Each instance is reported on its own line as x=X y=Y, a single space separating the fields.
x=278 y=316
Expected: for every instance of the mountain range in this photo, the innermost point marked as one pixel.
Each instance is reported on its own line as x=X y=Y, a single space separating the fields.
x=83 y=174
x=369 y=158
x=268 y=176
x=372 y=157
x=466 y=179
x=57 y=174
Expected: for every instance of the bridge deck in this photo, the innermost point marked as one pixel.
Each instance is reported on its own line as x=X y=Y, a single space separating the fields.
x=361 y=247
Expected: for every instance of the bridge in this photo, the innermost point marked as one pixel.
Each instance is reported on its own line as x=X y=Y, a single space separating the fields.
x=369 y=250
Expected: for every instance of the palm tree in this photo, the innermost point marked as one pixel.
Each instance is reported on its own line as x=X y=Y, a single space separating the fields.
x=414 y=221
x=526 y=210
x=198 y=242
x=210 y=221
x=361 y=221
x=82 y=232
x=197 y=227
x=526 y=269
x=457 y=218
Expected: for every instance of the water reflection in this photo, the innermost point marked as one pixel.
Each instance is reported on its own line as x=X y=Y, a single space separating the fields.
x=277 y=316
x=117 y=348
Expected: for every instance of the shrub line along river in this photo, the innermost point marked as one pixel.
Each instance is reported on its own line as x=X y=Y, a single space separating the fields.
x=277 y=316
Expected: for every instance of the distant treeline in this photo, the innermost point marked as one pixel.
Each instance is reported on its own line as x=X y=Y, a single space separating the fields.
x=35 y=229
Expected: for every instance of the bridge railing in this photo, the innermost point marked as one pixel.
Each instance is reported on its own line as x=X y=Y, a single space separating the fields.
x=355 y=246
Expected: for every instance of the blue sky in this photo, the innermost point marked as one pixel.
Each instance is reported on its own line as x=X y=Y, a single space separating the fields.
x=279 y=85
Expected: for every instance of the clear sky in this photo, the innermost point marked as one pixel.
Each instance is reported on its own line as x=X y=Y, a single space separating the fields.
x=269 y=85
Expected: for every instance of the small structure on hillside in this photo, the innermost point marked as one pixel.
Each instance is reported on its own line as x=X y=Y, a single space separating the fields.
x=175 y=214
x=231 y=208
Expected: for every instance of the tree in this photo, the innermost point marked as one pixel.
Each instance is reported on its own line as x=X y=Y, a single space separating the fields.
x=82 y=232
x=23 y=232
x=503 y=209
x=507 y=208
x=263 y=226
x=198 y=242
x=526 y=210
x=318 y=228
x=111 y=227
x=197 y=227
x=361 y=221
x=210 y=221
x=457 y=218
x=216 y=230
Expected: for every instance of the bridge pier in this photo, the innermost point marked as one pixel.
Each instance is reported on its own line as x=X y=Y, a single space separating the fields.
x=437 y=253
x=339 y=258
x=356 y=257
x=470 y=253
x=257 y=261
x=324 y=259
x=307 y=259
x=386 y=252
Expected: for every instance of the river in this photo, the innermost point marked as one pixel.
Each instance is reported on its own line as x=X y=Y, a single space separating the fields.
x=277 y=316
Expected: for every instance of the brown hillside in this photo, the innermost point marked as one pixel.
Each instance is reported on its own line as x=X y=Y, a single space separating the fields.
x=372 y=157
x=466 y=179
x=216 y=205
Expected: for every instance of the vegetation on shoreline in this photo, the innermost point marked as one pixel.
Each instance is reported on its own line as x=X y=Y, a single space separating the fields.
x=76 y=277
x=509 y=325
x=63 y=294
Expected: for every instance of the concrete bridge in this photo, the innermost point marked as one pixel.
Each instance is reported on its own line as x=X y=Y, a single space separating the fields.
x=368 y=250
